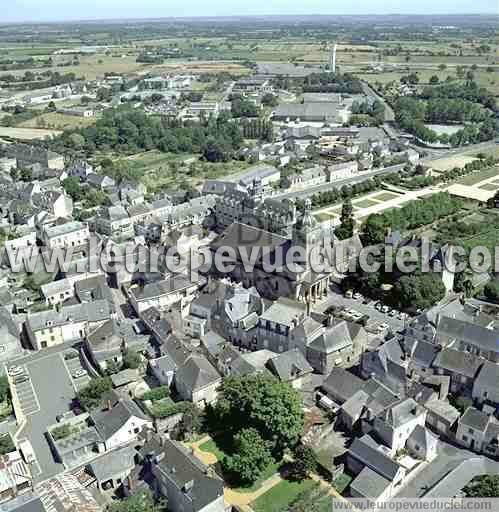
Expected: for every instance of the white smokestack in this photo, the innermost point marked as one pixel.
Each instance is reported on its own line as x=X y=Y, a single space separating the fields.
x=333 y=59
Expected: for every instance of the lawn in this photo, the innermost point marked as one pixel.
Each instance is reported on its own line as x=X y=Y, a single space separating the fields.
x=365 y=203
x=281 y=496
x=58 y=121
x=385 y=196
x=489 y=186
x=342 y=482
x=477 y=177
x=322 y=217
x=217 y=448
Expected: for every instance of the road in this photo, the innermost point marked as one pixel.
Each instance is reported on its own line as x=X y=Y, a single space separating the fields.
x=362 y=176
x=389 y=113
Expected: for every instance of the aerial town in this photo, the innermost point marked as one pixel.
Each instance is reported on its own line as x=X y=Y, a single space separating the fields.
x=162 y=347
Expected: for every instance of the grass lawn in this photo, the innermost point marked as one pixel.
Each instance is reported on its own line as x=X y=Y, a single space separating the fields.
x=281 y=496
x=211 y=446
x=473 y=179
x=269 y=472
x=489 y=186
x=385 y=196
x=58 y=121
x=365 y=203
x=321 y=217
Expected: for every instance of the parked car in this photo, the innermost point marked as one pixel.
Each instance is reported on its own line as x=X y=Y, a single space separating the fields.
x=385 y=309
x=357 y=295
x=71 y=354
x=393 y=312
x=21 y=379
x=79 y=373
x=348 y=294
x=15 y=371
x=27 y=451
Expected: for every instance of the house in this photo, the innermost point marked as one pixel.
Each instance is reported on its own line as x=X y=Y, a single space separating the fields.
x=396 y=424
x=105 y=344
x=291 y=367
x=388 y=363
x=486 y=384
x=178 y=475
x=341 y=385
x=306 y=178
x=471 y=337
x=332 y=348
x=119 y=421
x=100 y=181
x=71 y=323
x=57 y=292
x=114 y=222
x=441 y=416
x=163 y=294
x=71 y=234
x=111 y=469
x=385 y=476
x=197 y=380
x=265 y=175
x=163 y=369
x=472 y=430
x=461 y=367
x=422 y=444
x=312 y=112
x=80 y=169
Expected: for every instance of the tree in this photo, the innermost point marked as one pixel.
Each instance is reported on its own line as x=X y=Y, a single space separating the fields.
x=143 y=501
x=305 y=462
x=4 y=389
x=251 y=456
x=270 y=100
x=6 y=444
x=132 y=360
x=91 y=395
x=434 y=80
x=51 y=107
x=271 y=407
x=418 y=290
x=72 y=187
x=345 y=230
x=491 y=290
x=484 y=486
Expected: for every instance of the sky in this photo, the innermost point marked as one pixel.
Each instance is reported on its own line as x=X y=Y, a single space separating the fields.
x=59 y=10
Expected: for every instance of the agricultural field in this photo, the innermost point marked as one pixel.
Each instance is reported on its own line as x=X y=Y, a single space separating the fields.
x=58 y=121
x=27 y=133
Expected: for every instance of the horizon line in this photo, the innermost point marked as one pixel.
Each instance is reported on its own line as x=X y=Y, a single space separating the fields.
x=235 y=16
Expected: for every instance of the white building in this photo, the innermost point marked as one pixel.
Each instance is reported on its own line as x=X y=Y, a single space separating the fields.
x=71 y=234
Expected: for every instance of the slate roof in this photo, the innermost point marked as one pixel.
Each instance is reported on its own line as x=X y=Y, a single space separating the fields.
x=488 y=376
x=284 y=311
x=113 y=463
x=459 y=362
x=402 y=413
x=364 y=449
x=370 y=484
x=486 y=339
x=89 y=311
x=424 y=353
x=188 y=473
x=443 y=409
x=335 y=338
x=108 y=422
x=422 y=437
x=196 y=373
x=289 y=365
x=171 y=284
x=342 y=384
x=475 y=419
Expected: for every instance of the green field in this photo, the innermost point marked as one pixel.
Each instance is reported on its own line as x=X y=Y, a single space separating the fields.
x=58 y=121
x=475 y=178
x=365 y=203
x=385 y=196
x=279 y=497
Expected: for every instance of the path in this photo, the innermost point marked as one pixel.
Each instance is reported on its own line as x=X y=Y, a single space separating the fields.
x=207 y=458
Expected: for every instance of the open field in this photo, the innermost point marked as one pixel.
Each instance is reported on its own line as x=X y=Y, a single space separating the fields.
x=279 y=497
x=478 y=177
x=58 y=121
x=27 y=133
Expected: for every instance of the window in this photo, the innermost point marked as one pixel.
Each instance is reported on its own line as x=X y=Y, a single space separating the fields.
x=470 y=431
x=465 y=438
x=417 y=447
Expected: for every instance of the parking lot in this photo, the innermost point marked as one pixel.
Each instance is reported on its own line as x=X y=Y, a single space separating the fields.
x=376 y=318
x=27 y=397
